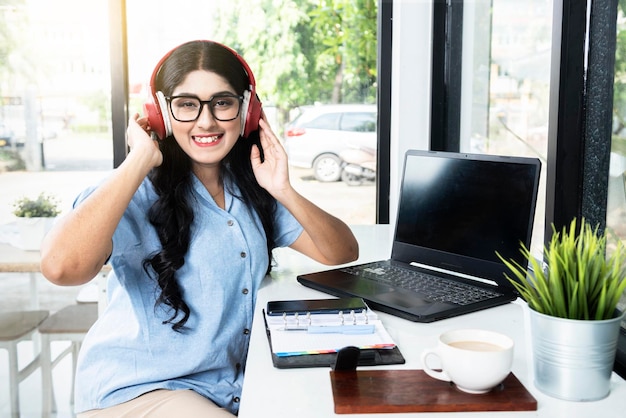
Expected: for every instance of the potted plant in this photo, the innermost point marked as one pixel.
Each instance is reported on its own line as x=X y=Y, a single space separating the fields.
x=574 y=319
x=34 y=219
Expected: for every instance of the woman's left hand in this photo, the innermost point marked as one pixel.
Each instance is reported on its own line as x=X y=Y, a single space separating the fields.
x=273 y=172
x=325 y=238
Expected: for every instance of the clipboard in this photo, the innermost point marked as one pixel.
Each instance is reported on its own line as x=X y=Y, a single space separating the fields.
x=377 y=349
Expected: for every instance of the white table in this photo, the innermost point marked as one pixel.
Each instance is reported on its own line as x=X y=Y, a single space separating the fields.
x=17 y=260
x=307 y=393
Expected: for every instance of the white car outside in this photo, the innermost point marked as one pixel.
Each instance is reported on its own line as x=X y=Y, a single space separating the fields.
x=316 y=137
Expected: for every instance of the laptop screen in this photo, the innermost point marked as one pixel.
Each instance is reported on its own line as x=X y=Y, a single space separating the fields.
x=456 y=210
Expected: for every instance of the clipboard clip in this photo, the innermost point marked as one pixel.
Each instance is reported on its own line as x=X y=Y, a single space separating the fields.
x=347 y=358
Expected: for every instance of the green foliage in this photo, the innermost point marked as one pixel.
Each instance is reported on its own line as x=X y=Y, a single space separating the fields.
x=346 y=31
x=579 y=281
x=98 y=101
x=305 y=51
x=7 y=41
x=11 y=160
x=44 y=206
x=12 y=22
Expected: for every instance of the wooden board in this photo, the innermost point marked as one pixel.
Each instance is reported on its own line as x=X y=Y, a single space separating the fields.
x=379 y=391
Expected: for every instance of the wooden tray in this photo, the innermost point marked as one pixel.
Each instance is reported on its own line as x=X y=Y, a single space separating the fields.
x=378 y=391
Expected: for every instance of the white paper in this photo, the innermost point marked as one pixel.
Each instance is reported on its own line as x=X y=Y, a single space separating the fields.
x=301 y=342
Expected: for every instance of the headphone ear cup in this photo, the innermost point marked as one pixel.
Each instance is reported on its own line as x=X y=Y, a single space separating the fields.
x=165 y=115
x=158 y=117
x=150 y=109
x=251 y=113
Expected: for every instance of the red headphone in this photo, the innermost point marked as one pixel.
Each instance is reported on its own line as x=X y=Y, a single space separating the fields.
x=158 y=115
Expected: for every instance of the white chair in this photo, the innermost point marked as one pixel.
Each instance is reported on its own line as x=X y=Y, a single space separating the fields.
x=15 y=327
x=68 y=324
x=95 y=291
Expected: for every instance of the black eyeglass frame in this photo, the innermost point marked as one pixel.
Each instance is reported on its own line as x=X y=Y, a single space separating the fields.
x=205 y=102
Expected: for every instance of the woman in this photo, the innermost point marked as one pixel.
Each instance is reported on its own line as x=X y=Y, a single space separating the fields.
x=188 y=224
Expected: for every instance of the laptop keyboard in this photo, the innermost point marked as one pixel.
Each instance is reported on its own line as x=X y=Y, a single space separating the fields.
x=435 y=288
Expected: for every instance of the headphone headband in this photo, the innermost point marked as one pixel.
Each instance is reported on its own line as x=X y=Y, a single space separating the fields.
x=157 y=113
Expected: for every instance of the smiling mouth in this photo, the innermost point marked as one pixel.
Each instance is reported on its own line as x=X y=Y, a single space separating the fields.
x=207 y=139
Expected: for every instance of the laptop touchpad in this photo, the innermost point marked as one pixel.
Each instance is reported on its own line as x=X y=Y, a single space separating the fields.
x=402 y=299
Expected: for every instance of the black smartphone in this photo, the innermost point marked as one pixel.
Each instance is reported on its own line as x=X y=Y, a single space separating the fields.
x=315 y=306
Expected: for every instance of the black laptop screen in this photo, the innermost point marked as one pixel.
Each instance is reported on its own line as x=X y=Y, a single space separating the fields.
x=467 y=205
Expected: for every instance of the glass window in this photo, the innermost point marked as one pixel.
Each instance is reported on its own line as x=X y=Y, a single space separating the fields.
x=309 y=57
x=506 y=84
x=326 y=121
x=55 y=121
x=616 y=203
x=358 y=122
x=55 y=91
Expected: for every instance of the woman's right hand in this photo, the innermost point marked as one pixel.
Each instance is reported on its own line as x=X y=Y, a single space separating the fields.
x=139 y=139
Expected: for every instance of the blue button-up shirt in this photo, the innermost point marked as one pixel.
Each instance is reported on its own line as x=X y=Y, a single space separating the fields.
x=129 y=351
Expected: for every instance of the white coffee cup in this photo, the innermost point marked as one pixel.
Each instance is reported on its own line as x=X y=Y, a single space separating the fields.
x=475 y=360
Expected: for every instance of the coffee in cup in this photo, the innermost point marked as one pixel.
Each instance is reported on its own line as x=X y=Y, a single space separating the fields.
x=475 y=360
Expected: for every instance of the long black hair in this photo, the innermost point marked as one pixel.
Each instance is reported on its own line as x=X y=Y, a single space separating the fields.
x=172 y=214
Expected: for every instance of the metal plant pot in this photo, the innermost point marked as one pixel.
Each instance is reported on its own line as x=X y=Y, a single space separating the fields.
x=573 y=359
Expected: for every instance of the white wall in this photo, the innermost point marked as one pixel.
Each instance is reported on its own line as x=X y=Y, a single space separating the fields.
x=410 y=86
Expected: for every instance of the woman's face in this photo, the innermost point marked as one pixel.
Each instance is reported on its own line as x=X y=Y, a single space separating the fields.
x=206 y=140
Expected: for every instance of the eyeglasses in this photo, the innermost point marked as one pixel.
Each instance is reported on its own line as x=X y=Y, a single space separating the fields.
x=223 y=107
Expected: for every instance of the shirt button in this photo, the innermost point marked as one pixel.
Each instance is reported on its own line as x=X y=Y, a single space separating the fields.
x=230 y=222
x=236 y=399
x=243 y=254
x=245 y=291
x=246 y=331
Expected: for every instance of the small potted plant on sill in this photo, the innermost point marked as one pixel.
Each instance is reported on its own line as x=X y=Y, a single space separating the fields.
x=574 y=318
x=34 y=219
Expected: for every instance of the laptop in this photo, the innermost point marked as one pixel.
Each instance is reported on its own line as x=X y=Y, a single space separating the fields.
x=456 y=210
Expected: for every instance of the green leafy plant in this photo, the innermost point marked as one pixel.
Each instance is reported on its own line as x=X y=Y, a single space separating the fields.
x=44 y=206
x=579 y=281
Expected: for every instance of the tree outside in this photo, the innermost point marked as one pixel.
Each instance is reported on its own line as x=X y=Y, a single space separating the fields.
x=305 y=51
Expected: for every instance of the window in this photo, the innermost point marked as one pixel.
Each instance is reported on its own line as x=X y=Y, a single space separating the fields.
x=358 y=122
x=55 y=84
x=616 y=204
x=347 y=74
x=326 y=121
x=506 y=84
